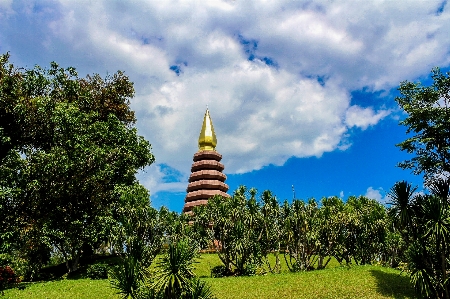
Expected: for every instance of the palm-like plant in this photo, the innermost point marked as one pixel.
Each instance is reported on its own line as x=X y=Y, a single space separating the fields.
x=128 y=277
x=402 y=195
x=175 y=270
x=199 y=290
x=271 y=230
x=235 y=229
x=426 y=223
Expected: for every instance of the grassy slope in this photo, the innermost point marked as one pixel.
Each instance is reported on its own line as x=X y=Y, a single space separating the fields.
x=334 y=282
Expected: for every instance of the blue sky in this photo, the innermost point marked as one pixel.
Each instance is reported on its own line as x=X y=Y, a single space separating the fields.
x=300 y=92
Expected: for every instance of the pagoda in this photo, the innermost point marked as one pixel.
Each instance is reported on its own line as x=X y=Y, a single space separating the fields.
x=206 y=178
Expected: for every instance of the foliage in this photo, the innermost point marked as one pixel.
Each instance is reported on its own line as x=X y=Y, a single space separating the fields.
x=234 y=227
x=97 y=271
x=300 y=235
x=422 y=220
x=139 y=229
x=332 y=231
x=7 y=278
x=67 y=143
x=175 y=270
x=245 y=231
x=427 y=235
x=428 y=109
x=128 y=277
x=272 y=230
x=219 y=271
x=199 y=290
x=173 y=276
x=368 y=227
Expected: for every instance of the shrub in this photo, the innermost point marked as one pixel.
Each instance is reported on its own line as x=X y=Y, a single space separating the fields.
x=250 y=270
x=219 y=271
x=97 y=271
x=128 y=277
x=7 y=278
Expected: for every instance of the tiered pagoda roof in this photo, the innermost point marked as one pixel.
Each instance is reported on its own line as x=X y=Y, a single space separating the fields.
x=206 y=178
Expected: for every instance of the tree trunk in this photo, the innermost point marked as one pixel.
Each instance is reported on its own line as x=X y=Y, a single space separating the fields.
x=320 y=262
x=72 y=265
x=444 y=274
x=394 y=252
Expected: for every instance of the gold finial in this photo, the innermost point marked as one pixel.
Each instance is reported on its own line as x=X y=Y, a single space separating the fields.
x=207 y=140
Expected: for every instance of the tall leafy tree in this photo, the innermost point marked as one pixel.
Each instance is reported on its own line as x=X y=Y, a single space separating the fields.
x=367 y=228
x=428 y=122
x=300 y=234
x=77 y=142
x=333 y=221
x=272 y=230
x=423 y=219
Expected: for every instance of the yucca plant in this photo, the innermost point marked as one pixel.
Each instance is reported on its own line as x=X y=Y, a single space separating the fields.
x=128 y=277
x=175 y=270
x=428 y=234
x=199 y=290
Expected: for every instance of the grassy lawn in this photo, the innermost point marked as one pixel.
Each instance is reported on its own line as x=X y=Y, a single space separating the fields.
x=357 y=282
x=333 y=282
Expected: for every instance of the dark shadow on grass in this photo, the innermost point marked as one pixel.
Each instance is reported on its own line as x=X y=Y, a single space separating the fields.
x=393 y=285
x=58 y=272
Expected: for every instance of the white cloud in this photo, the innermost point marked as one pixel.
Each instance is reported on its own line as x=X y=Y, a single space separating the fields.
x=256 y=63
x=156 y=180
x=356 y=116
x=261 y=116
x=376 y=194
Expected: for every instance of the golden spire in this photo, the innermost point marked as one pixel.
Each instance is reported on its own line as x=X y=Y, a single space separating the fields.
x=207 y=140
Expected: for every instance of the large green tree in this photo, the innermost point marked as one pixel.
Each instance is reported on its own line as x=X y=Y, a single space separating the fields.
x=423 y=220
x=72 y=141
x=428 y=123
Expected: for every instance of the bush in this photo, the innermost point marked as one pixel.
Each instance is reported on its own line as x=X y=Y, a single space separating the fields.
x=97 y=271
x=219 y=271
x=250 y=270
x=7 y=278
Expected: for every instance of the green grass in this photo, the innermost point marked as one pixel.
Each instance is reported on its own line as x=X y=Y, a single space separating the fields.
x=356 y=282
x=64 y=289
x=333 y=282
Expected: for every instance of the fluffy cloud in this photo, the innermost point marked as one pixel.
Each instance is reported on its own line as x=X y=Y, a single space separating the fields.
x=356 y=116
x=376 y=194
x=277 y=75
x=163 y=178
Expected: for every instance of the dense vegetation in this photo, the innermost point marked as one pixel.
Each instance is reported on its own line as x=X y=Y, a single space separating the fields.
x=68 y=145
x=69 y=152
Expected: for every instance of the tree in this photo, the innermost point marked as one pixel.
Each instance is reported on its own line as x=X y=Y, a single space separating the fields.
x=139 y=229
x=76 y=141
x=428 y=120
x=300 y=234
x=235 y=229
x=272 y=230
x=427 y=235
x=368 y=228
x=332 y=227
x=423 y=219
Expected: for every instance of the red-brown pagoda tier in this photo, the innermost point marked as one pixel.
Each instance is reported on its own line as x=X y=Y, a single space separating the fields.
x=206 y=178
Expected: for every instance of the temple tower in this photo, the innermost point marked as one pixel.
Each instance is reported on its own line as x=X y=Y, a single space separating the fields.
x=206 y=178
